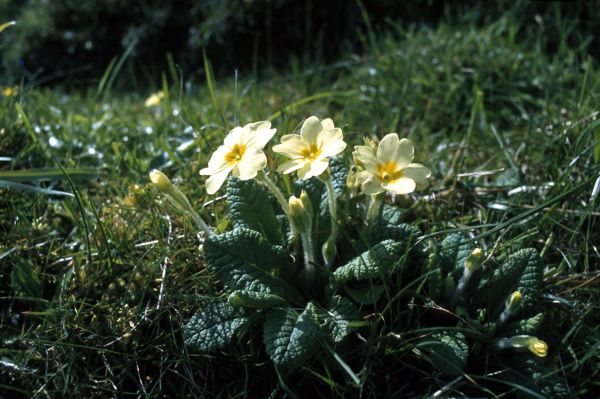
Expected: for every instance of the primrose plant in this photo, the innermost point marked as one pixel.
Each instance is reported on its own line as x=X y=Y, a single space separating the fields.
x=304 y=262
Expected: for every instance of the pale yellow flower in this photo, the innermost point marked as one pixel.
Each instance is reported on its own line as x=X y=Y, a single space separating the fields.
x=154 y=99
x=241 y=155
x=310 y=150
x=391 y=168
x=10 y=91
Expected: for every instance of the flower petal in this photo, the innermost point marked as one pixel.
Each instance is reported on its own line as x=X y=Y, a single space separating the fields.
x=311 y=129
x=369 y=183
x=291 y=146
x=254 y=160
x=392 y=149
x=403 y=185
x=291 y=166
x=365 y=157
x=327 y=124
x=315 y=168
x=419 y=173
x=214 y=183
x=234 y=137
x=217 y=161
x=258 y=134
x=331 y=142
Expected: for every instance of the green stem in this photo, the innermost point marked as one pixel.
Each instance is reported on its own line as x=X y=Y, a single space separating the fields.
x=329 y=249
x=178 y=198
x=375 y=206
x=263 y=178
x=309 y=255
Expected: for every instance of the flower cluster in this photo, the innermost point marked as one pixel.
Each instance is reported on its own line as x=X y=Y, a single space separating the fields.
x=388 y=168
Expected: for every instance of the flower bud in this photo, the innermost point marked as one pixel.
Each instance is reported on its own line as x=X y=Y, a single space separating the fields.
x=514 y=301
x=474 y=260
x=306 y=202
x=537 y=347
x=299 y=217
x=352 y=179
x=532 y=344
x=328 y=251
x=161 y=180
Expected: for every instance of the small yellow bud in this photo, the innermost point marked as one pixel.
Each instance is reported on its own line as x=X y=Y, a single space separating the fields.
x=537 y=347
x=514 y=301
x=474 y=260
x=306 y=202
x=299 y=217
x=10 y=91
x=154 y=99
x=296 y=206
x=161 y=180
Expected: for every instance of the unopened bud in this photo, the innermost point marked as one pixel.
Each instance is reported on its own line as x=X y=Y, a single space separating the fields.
x=532 y=344
x=352 y=179
x=306 y=202
x=299 y=218
x=538 y=347
x=474 y=260
x=328 y=251
x=514 y=301
x=161 y=180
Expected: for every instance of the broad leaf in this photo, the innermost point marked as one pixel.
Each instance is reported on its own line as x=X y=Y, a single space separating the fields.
x=253 y=299
x=251 y=207
x=454 y=251
x=338 y=316
x=244 y=260
x=364 y=292
x=213 y=327
x=528 y=326
x=291 y=338
x=378 y=261
x=507 y=277
x=531 y=281
x=448 y=352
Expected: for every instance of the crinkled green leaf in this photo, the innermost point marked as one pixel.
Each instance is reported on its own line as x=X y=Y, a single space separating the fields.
x=528 y=326
x=254 y=299
x=506 y=277
x=338 y=316
x=392 y=214
x=378 y=261
x=364 y=292
x=384 y=230
x=291 y=338
x=448 y=352
x=531 y=281
x=251 y=207
x=213 y=327
x=244 y=260
x=454 y=251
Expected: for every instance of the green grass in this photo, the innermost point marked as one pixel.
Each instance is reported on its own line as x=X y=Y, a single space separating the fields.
x=95 y=288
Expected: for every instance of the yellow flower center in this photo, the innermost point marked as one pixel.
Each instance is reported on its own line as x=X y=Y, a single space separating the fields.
x=235 y=155
x=311 y=153
x=388 y=173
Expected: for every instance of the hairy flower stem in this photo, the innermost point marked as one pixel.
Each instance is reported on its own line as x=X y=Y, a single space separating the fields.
x=263 y=178
x=180 y=201
x=329 y=249
x=462 y=284
x=309 y=257
x=375 y=206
